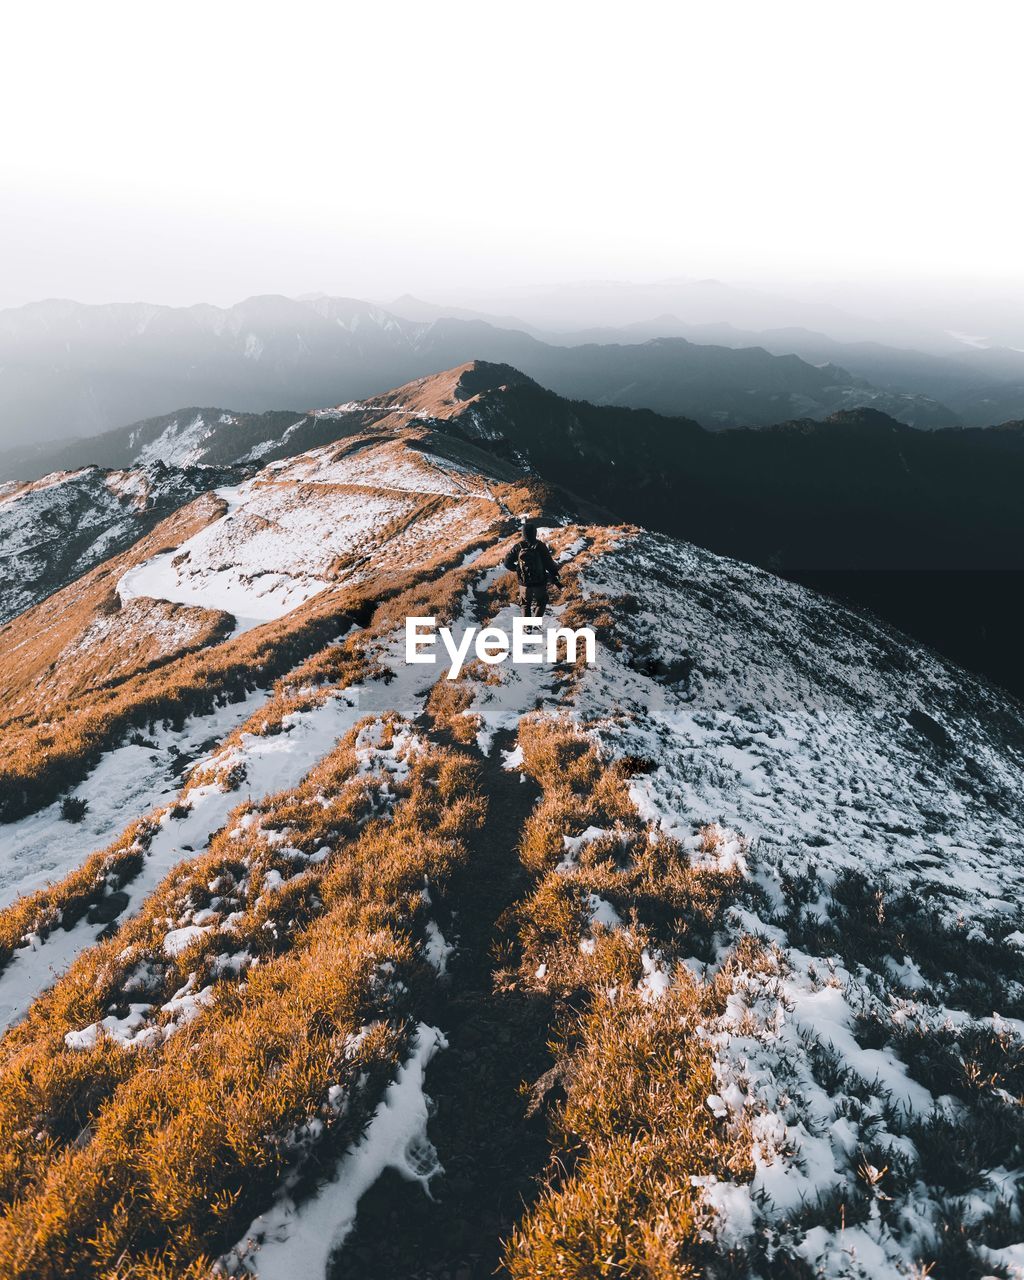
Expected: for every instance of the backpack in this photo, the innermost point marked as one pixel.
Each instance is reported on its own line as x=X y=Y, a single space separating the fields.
x=532 y=564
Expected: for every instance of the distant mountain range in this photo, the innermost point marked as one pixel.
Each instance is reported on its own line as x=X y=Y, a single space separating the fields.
x=68 y=370
x=911 y=314
x=858 y=490
x=981 y=385
x=570 y=307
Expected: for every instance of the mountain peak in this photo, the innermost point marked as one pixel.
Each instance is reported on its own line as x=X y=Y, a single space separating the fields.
x=479 y=376
x=441 y=395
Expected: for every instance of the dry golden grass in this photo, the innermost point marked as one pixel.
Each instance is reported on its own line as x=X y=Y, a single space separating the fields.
x=46 y=756
x=634 y=1131
x=635 y=1127
x=157 y=1157
x=646 y=877
x=150 y=1160
x=43 y=757
x=580 y=790
x=448 y=705
x=64 y=903
x=338 y=664
x=35 y=678
x=58 y=716
x=122 y=642
x=67 y=900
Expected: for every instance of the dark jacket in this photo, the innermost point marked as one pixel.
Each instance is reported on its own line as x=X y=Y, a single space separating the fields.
x=532 y=563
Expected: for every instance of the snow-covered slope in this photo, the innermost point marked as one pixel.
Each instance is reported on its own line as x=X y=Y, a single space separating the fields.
x=844 y=773
x=779 y=713
x=328 y=516
x=55 y=529
x=763 y=860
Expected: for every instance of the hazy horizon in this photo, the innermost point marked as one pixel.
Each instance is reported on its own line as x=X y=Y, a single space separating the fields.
x=932 y=316
x=856 y=154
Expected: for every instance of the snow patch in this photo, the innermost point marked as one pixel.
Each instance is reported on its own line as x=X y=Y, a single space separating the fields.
x=292 y=1240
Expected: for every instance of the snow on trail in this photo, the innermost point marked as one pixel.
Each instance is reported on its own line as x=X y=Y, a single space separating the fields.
x=370 y=468
x=127 y=783
x=512 y=691
x=289 y=1241
x=509 y=691
x=306 y=523
x=409 y=684
x=272 y=764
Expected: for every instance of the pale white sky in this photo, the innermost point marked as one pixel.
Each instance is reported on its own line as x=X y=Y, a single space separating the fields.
x=207 y=151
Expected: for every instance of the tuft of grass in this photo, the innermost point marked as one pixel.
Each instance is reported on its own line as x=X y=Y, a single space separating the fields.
x=634 y=1130
x=73 y=808
x=36 y=915
x=633 y=1134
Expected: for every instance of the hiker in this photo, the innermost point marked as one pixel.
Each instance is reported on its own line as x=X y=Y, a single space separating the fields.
x=534 y=566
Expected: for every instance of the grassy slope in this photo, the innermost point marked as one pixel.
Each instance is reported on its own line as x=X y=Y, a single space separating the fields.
x=311 y=958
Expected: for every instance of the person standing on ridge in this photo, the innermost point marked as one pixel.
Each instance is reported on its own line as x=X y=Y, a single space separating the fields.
x=534 y=565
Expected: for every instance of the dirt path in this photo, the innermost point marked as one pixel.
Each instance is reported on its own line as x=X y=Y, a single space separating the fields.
x=490 y=1151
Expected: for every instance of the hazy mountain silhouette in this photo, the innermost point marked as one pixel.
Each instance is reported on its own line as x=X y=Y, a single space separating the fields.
x=69 y=370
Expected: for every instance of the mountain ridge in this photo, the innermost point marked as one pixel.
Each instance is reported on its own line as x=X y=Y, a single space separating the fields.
x=686 y=960
x=882 y=498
